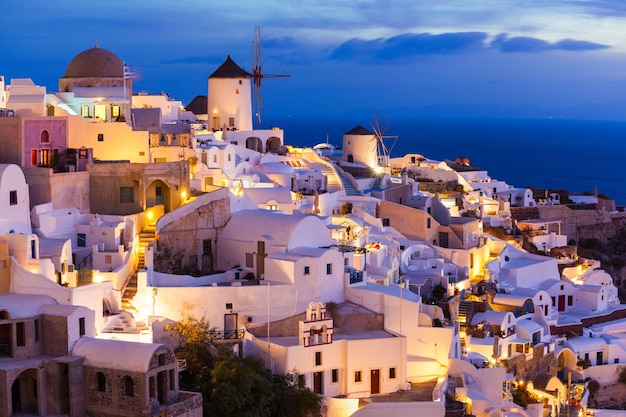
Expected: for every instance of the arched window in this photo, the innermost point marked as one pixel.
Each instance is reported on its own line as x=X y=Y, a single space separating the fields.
x=129 y=386
x=45 y=136
x=101 y=380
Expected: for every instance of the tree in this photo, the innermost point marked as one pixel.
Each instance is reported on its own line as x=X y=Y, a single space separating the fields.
x=293 y=398
x=232 y=386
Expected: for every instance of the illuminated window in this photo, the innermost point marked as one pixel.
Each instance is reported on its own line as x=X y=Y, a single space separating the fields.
x=271 y=207
x=115 y=111
x=85 y=110
x=34 y=157
x=45 y=136
x=44 y=156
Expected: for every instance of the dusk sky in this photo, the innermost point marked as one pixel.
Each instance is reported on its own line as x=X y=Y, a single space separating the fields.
x=342 y=56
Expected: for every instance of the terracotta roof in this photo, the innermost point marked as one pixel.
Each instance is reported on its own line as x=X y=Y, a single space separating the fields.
x=229 y=69
x=95 y=62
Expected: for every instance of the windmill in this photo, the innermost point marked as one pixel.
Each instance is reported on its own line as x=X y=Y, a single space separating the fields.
x=382 y=151
x=257 y=71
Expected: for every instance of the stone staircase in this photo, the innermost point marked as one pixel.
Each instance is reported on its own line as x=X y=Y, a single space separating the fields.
x=333 y=181
x=349 y=188
x=147 y=235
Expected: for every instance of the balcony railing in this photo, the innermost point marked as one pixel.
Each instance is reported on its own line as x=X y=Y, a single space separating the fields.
x=227 y=334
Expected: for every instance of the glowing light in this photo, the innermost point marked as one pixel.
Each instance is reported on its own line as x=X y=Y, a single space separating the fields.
x=183 y=195
x=97 y=278
x=378 y=170
x=150 y=215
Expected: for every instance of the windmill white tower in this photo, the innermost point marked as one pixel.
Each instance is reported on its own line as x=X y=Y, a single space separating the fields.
x=229 y=103
x=361 y=146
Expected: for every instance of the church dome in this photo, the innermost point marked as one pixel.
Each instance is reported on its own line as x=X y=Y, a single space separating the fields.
x=95 y=63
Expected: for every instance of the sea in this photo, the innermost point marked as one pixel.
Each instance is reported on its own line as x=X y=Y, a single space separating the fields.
x=559 y=154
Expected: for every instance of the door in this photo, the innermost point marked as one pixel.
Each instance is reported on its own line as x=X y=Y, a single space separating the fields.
x=561 y=302
x=318 y=382
x=230 y=326
x=375 y=381
x=158 y=195
x=599 y=358
x=260 y=259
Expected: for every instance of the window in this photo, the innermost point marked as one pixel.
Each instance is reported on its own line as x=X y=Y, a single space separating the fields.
x=13 y=197
x=101 y=381
x=229 y=157
x=329 y=269
x=44 y=156
x=81 y=240
x=129 y=386
x=392 y=373
x=249 y=260
x=428 y=223
x=34 y=157
x=100 y=137
x=206 y=247
x=301 y=380
x=334 y=375
x=81 y=326
x=385 y=222
x=85 y=111
x=271 y=207
x=126 y=195
x=107 y=259
x=45 y=136
x=3 y=264
x=231 y=121
x=115 y=111
x=553 y=301
x=570 y=300
x=215 y=158
x=37 y=335
x=307 y=270
x=357 y=376
x=229 y=306
x=318 y=358
x=20 y=335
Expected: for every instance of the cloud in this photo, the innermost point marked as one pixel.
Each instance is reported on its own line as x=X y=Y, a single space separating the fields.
x=409 y=44
x=534 y=45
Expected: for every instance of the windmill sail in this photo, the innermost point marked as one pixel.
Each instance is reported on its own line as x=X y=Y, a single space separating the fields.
x=257 y=72
x=382 y=151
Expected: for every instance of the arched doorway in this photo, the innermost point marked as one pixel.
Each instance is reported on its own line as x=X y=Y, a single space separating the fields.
x=24 y=393
x=272 y=145
x=158 y=193
x=566 y=365
x=254 y=143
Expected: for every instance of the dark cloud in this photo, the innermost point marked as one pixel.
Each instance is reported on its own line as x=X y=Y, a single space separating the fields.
x=534 y=45
x=409 y=44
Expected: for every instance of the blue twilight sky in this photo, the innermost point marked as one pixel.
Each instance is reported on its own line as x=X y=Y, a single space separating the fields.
x=462 y=57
